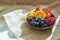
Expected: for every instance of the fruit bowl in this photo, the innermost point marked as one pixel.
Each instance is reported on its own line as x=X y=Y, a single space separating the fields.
x=41 y=19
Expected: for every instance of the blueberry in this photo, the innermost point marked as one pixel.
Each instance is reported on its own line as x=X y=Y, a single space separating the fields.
x=40 y=26
x=45 y=25
x=36 y=25
x=39 y=19
x=34 y=18
x=31 y=20
x=41 y=22
x=44 y=20
x=37 y=22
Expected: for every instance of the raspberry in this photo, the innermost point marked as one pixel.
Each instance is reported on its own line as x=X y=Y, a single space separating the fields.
x=48 y=12
x=50 y=21
x=37 y=9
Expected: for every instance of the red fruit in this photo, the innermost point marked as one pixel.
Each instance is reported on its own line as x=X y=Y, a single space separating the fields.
x=37 y=9
x=50 y=21
x=48 y=12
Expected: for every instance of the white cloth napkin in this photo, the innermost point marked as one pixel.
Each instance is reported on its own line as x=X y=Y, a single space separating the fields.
x=16 y=18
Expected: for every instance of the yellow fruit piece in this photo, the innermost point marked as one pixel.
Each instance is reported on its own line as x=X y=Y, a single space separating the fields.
x=30 y=15
x=40 y=14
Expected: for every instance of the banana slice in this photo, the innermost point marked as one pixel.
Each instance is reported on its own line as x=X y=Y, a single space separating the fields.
x=30 y=15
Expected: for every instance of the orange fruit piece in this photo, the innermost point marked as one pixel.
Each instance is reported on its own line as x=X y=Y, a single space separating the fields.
x=40 y=14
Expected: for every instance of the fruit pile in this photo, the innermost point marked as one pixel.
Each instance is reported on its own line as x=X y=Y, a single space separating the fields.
x=41 y=18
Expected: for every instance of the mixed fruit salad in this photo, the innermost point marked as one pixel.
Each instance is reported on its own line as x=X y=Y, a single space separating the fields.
x=41 y=18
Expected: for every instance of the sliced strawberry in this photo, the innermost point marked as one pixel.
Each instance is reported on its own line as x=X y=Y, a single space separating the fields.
x=50 y=21
x=37 y=9
x=48 y=12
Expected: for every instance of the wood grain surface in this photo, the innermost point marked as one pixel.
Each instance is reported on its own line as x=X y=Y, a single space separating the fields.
x=26 y=2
